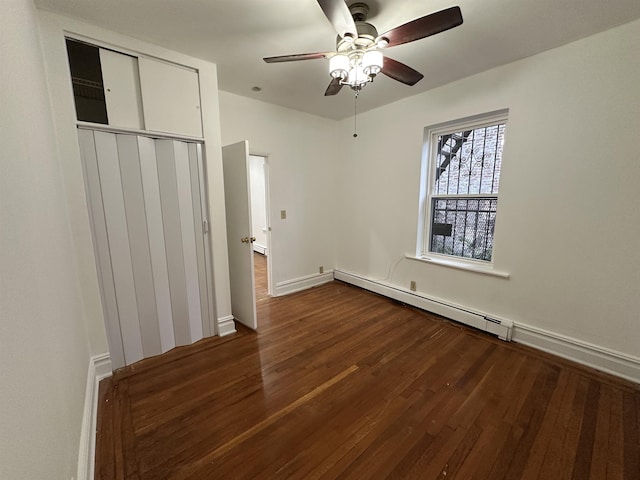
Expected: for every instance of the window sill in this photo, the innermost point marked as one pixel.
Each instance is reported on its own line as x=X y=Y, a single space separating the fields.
x=469 y=267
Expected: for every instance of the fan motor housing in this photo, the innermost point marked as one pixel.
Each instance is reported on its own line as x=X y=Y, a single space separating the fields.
x=367 y=33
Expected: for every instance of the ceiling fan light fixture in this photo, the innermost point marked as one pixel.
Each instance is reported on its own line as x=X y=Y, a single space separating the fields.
x=358 y=58
x=339 y=66
x=357 y=68
x=372 y=62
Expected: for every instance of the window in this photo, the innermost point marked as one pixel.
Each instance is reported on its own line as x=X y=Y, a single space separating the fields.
x=464 y=160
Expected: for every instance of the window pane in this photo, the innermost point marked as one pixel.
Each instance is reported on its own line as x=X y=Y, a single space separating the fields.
x=463 y=227
x=469 y=161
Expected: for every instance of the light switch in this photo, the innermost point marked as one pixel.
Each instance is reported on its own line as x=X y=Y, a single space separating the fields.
x=283 y=214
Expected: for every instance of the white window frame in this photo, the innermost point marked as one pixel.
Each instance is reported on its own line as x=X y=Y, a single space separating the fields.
x=427 y=195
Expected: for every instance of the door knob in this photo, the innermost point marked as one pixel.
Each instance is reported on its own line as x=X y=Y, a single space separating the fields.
x=244 y=239
x=253 y=239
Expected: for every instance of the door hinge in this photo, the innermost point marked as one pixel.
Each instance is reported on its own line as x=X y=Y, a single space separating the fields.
x=205 y=226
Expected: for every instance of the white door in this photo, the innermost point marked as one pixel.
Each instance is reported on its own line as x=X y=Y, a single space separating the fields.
x=237 y=196
x=147 y=209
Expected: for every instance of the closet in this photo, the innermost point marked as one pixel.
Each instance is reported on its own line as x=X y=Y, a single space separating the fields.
x=148 y=212
x=140 y=134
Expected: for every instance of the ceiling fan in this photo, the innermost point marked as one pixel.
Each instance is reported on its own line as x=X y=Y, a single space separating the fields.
x=358 y=57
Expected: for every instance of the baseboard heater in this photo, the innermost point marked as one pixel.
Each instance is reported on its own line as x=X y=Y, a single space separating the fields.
x=502 y=328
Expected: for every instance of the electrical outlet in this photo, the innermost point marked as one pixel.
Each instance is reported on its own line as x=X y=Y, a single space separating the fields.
x=321 y=269
x=412 y=286
x=283 y=214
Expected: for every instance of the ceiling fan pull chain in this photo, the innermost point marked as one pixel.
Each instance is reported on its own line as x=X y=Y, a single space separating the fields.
x=355 y=116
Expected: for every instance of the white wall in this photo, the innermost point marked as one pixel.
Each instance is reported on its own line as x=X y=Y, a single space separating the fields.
x=301 y=180
x=258 y=202
x=568 y=224
x=54 y=28
x=44 y=348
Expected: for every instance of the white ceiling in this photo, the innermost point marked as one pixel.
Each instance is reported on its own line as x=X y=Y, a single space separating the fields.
x=236 y=34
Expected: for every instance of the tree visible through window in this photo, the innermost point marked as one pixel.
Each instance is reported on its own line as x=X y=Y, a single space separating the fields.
x=465 y=178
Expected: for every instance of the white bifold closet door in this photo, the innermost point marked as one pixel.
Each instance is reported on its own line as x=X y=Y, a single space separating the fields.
x=146 y=200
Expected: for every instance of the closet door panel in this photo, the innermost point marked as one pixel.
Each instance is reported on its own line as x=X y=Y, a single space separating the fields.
x=101 y=247
x=116 y=222
x=173 y=240
x=155 y=231
x=196 y=197
x=208 y=260
x=170 y=98
x=139 y=243
x=187 y=224
x=122 y=89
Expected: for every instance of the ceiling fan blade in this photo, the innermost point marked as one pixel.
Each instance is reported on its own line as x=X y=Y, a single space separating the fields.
x=400 y=72
x=296 y=57
x=424 y=26
x=333 y=88
x=340 y=17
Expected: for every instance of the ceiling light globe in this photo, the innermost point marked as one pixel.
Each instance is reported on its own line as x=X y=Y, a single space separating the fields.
x=372 y=62
x=339 y=66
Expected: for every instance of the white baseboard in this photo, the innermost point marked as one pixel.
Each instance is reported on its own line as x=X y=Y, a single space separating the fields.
x=226 y=326
x=302 y=283
x=259 y=248
x=594 y=356
x=480 y=320
x=99 y=368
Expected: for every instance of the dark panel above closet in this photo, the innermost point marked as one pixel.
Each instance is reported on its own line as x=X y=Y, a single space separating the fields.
x=86 y=76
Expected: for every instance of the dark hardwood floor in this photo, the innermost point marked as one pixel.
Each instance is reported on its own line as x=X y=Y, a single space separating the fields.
x=260 y=267
x=341 y=383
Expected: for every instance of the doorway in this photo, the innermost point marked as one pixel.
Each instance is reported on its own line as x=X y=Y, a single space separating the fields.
x=258 y=179
x=240 y=202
